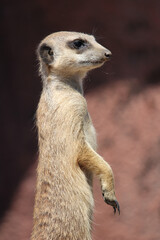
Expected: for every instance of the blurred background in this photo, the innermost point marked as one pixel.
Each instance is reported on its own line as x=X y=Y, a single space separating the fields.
x=123 y=99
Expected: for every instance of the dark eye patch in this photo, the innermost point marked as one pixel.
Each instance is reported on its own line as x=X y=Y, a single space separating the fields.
x=78 y=44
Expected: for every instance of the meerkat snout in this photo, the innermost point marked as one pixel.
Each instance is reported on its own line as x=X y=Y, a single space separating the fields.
x=108 y=55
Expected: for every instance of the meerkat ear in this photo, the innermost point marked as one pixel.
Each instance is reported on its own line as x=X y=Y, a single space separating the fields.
x=46 y=53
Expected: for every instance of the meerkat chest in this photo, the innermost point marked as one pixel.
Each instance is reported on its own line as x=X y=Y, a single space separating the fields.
x=90 y=132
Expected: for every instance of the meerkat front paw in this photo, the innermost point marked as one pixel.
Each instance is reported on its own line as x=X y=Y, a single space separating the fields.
x=111 y=200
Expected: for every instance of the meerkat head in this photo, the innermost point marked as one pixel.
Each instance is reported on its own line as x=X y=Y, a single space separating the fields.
x=70 y=53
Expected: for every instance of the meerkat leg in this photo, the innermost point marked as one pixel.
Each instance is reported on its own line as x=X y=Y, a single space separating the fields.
x=93 y=162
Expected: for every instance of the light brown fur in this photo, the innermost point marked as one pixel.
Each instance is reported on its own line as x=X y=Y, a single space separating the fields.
x=67 y=141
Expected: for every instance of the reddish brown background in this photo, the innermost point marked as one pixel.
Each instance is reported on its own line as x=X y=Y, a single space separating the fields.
x=123 y=100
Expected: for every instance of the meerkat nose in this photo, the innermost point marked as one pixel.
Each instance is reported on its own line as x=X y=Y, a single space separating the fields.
x=108 y=54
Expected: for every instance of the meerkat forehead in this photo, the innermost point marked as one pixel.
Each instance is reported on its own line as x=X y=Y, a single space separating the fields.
x=64 y=36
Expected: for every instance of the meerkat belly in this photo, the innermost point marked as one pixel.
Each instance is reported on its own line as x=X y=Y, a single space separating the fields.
x=67 y=199
x=90 y=132
x=90 y=136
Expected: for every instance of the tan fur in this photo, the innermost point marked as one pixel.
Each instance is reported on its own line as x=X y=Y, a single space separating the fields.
x=67 y=141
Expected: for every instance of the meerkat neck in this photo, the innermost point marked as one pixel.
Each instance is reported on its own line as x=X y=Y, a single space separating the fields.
x=74 y=82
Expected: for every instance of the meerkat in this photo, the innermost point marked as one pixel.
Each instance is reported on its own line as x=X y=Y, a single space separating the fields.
x=67 y=140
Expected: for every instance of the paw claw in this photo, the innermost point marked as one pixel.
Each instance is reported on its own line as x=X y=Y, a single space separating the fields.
x=114 y=204
x=114 y=210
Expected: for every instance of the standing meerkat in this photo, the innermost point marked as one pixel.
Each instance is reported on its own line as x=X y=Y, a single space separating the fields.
x=67 y=140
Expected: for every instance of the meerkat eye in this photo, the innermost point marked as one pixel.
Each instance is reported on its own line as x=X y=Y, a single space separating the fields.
x=78 y=44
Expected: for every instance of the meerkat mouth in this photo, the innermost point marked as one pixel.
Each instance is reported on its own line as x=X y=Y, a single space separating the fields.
x=93 y=62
